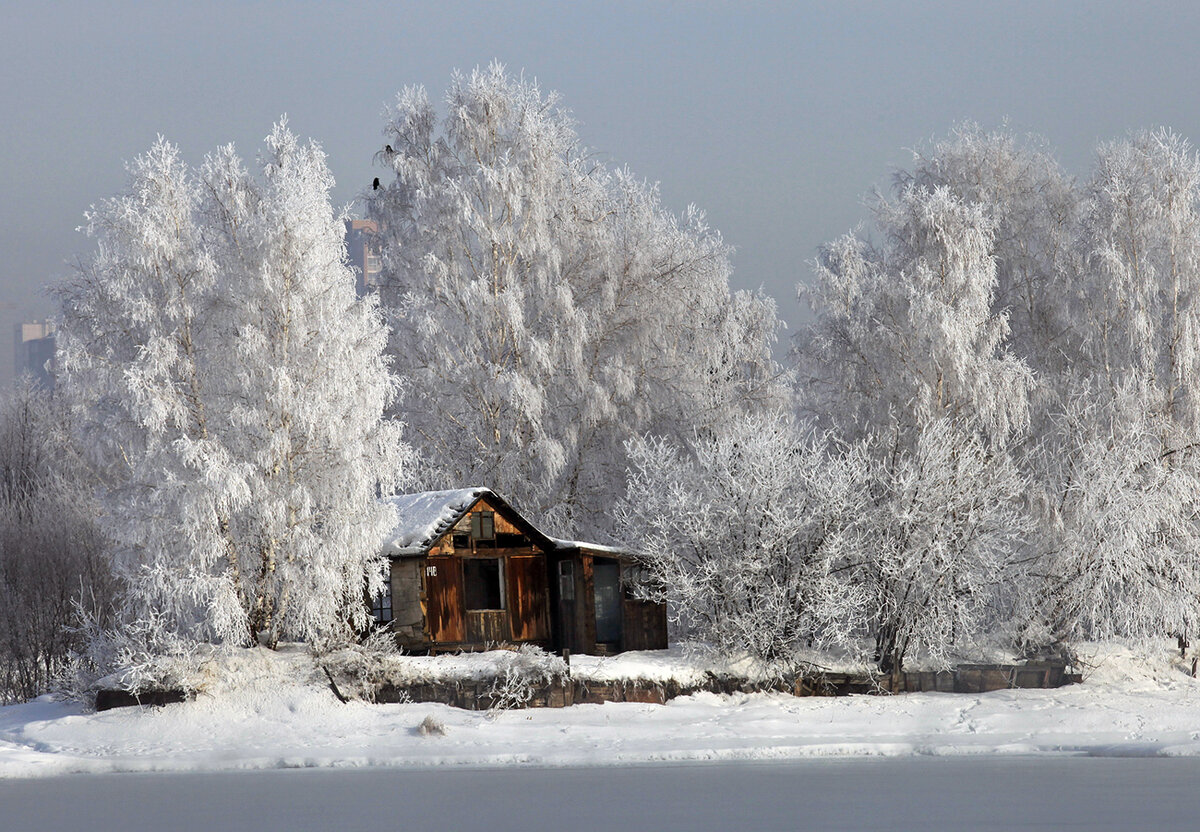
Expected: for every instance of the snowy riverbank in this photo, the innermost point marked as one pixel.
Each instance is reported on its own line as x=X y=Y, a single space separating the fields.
x=1128 y=706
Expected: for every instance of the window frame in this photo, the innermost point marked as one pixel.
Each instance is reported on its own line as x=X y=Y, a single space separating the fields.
x=382 y=607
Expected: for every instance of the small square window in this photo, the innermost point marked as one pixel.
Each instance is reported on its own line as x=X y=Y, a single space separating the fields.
x=483 y=525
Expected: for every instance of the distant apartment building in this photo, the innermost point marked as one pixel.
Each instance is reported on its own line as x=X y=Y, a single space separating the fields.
x=34 y=351
x=364 y=253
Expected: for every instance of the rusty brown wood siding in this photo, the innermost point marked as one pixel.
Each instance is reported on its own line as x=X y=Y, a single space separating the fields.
x=645 y=625
x=487 y=626
x=585 y=606
x=527 y=608
x=444 y=599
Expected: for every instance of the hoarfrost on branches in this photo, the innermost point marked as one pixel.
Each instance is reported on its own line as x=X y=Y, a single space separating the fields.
x=546 y=308
x=1121 y=538
x=232 y=387
x=1095 y=287
x=905 y=333
x=747 y=535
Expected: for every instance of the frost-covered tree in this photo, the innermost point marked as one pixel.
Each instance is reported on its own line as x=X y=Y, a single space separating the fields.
x=1117 y=463
x=749 y=536
x=233 y=389
x=1095 y=288
x=905 y=333
x=909 y=354
x=1033 y=208
x=547 y=308
x=1142 y=235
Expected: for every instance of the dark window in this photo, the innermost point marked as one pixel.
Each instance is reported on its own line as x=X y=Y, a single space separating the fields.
x=461 y=541
x=566 y=580
x=508 y=540
x=483 y=584
x=381 y=604
x=483 y=525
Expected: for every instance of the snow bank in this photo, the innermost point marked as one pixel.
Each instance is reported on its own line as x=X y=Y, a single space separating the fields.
x=284 y=714
x=678 y=665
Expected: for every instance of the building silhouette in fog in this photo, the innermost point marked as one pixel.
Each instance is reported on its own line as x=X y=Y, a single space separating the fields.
x=33 y=351
x=364 y=253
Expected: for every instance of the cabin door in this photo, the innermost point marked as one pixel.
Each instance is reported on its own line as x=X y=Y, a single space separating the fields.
x=606 y=578
x=443 y=583
x=562 y=589
x=527 y=598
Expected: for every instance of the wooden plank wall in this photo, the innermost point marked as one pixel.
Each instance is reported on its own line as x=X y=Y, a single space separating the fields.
x=443 y=600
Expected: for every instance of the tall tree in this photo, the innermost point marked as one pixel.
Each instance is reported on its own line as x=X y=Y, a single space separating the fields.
x=547 y=308
x=1142 y=235
x=909 y=354
x=1120 y=462
x=233 y=387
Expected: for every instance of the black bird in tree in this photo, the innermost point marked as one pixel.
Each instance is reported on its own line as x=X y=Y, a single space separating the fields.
x=375 y=184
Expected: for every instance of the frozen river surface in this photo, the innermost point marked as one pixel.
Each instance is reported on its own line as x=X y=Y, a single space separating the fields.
x=895 y=794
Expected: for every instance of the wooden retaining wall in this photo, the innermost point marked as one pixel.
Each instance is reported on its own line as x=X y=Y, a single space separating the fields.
x=570 y=691
x=478 y=695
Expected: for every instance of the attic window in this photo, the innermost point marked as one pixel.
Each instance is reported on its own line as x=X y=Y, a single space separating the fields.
x=483 y=525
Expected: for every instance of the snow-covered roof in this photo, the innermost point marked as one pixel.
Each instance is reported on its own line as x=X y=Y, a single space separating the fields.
x=424 y=517
x=559 y=543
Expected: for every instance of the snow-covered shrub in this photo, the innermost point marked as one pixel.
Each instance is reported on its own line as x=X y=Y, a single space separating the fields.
x=358 y=670
x=942 y=541
x=748 y=534
x=136 y=656
x=431 y=726
x=529 y=670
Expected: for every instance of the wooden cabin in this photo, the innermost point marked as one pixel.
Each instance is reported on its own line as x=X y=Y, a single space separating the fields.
x=468 y=572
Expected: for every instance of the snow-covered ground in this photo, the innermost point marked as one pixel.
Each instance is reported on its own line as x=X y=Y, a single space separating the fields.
x=283 y=716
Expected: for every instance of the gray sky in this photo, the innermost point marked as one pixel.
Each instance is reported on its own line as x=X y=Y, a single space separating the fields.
x=774 y=118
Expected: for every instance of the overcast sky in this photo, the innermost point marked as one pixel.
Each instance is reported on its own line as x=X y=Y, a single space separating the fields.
x=774 y=118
